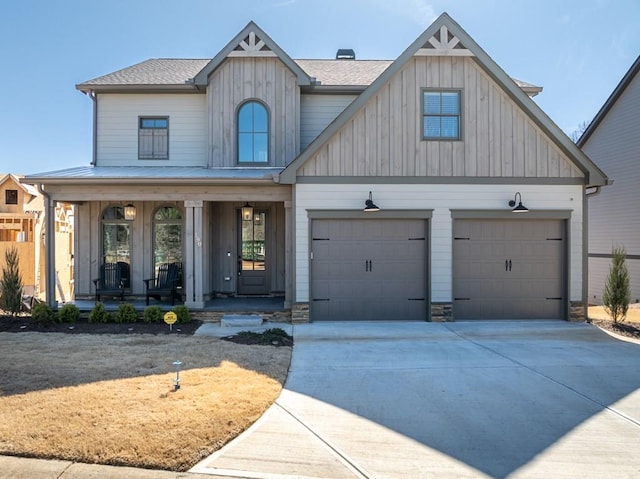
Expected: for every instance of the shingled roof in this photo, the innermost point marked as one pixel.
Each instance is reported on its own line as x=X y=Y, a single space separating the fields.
x=175 y=73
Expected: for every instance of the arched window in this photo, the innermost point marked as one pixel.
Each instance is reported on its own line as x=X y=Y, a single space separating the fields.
x=253 y=133
x=167 y=236
x=116 y=240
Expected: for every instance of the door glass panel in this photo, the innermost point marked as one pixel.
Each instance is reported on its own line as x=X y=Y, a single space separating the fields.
x=116 y=244
x=253 y=236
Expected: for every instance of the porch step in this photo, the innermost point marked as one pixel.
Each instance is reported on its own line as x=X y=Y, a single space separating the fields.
x=241 y=320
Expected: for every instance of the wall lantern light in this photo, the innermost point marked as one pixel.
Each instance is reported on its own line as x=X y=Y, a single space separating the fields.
x=369 y=205
x=129 y=212
x=247 y=212
x=520 y=208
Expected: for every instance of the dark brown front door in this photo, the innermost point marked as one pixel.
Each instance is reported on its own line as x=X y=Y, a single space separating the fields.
x=252 y=253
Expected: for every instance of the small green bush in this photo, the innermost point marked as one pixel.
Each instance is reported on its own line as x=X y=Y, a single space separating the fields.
x=42 y=314
x=152 y=314
x=11 y=283
x=99 y=314
x=126 y=313
x=69 y=313
x=617 y=293
x=182 y=312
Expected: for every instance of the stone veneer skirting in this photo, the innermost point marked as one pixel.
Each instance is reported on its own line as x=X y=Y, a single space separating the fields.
x=300 y=313
x=441 y=312
x=577 y=311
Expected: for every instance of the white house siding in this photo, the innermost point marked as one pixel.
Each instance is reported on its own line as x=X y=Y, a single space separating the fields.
x=614 y=218
x=441 y=199
x=118 y=116
x=266 y=79
x=385 y=137
x=317 y=111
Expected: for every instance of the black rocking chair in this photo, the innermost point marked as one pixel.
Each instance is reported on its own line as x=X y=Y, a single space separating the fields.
x=110 y=281
x=165 y=283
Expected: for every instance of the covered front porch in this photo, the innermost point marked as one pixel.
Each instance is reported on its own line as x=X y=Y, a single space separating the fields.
x=231 y=237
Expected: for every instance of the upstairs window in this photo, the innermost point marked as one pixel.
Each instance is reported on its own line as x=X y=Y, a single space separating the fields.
x=153 y=139
x=11 y=197
x=253 y=133
x=440 y=115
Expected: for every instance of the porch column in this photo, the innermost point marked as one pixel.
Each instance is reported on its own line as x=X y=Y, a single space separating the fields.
x=50 y=251
x=192 y=266
x=288 y=254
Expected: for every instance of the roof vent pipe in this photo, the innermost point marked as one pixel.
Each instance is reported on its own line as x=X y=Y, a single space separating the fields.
x=345 y=54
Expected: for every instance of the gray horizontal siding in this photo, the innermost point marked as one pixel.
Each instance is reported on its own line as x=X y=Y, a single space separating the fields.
x=317 y=111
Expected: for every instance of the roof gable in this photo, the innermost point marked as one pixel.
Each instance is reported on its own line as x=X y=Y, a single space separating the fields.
x=445 y=37
x=28 y=189
x=252 y=41
x=613 y=98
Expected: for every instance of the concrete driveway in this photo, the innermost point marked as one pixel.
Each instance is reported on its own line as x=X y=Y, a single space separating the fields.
x=534 y=399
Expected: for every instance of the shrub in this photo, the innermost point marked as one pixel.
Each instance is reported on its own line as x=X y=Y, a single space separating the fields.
x=42 y=314
x=152 y=314
x=126 y=313
x=69 y=313
x=617 y=292
x=182 y=312
x=11 y=283
x=99 y=314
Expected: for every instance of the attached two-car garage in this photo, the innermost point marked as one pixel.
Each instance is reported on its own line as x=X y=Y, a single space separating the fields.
x=377 y=269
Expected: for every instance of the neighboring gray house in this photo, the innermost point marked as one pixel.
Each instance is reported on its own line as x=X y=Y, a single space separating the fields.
x=440 y=139
x=612 y=140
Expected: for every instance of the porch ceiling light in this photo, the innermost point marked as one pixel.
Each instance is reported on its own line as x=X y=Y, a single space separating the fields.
x=520 y=208
x=247 y=212
x=369 y=205
x=129 y=212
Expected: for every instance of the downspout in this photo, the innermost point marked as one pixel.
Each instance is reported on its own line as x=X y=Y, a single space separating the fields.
x=50 y=259
x=94 y=149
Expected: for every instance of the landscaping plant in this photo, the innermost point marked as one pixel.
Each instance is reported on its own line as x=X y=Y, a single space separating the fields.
x=152 y=314
x=11 y=283
x=42 y=314
x=69 y=313
x=617 y=292
x=99 y=314
x=182 y=312
x=126 y=313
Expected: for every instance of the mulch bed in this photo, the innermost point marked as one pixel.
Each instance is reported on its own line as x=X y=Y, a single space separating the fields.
x=21 y=324
x=629 y=330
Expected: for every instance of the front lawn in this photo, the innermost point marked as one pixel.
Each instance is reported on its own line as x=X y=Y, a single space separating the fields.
x=110 y=399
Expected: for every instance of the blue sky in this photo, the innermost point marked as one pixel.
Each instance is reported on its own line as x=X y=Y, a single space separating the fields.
x=578 y=50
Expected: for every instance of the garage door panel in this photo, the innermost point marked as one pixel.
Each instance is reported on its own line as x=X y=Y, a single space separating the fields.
x=368 y=269
x=521 y=274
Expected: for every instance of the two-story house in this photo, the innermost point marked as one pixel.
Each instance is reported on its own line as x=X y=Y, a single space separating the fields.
x=356 y=189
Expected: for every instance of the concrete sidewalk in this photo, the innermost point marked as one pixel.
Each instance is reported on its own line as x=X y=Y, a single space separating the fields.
x=475 y=399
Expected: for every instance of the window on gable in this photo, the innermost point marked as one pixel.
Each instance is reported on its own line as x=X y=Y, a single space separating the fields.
x=253 y=133
x=11 y=197
x=441 y=115
x=153 y=138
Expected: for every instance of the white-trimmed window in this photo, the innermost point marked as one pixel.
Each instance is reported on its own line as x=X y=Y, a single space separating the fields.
x=253 y=133
x=441 y=114
x=153 y=138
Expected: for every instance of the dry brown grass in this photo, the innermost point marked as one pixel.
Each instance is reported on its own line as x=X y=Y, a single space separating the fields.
x=633 y=314
x=110 y=398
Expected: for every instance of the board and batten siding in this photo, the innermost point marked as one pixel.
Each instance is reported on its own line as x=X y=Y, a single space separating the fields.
x=118 y=114
x=385 y=137
x=317 y=111
x=615 y=146
x=238 y=80
x=441 y=199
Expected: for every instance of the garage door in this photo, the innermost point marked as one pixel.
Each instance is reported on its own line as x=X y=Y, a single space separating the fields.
x=509 y=269
x=368 y=269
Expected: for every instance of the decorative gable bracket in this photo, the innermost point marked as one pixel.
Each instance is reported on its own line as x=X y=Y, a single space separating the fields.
x=252 y=46
x=444 y=43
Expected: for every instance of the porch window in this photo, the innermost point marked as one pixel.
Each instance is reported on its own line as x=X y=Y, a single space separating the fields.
x=253 y=133
x=440 y=115
x=167 y=236
x=153 y=138
x=116 y=240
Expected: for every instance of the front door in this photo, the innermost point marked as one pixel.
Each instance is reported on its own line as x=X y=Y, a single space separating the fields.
x=252 y=253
